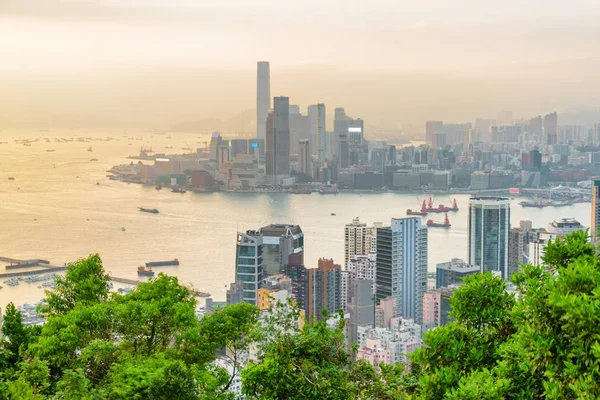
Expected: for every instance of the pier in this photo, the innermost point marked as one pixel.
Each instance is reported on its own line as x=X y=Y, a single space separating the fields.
x=44 y=267
x=45 y=270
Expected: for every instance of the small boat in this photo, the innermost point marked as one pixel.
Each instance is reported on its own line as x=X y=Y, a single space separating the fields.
x=94 y=159
x=50 y=150
x=148 y=210
x=158 y=187
x=333 y=214
x=97 y=183
x=145 y=271
x=90 y=148
x=123 y=229
x=178 y=190
x=10 y=178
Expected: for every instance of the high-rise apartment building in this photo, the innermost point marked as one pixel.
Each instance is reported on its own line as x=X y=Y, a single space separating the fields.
x=355 y=237
x=518 y=245
x=402 y=265
x=280 y=242
x=324 y=288
x=364 y=267
x=304 y=157
x=263 y=98
x=595 y=223
x=249 y=264
x=488 y=229
x=362 y=308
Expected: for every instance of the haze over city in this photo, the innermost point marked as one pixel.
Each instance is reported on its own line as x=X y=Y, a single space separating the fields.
x=155 y=64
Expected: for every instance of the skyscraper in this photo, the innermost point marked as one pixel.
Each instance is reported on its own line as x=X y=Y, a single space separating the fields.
x=321 y=137
x=489 y=226
x=277 y=153
x=304 y=158
x=239 y=146
x=402 y=265
x=263 y=98
x=551 y=128
x=282 y=133
x=595 y=224
x=248 y=264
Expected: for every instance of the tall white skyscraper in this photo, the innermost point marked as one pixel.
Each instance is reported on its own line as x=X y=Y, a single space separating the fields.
x=263 y=98
x=489 y=228
x=401 y=268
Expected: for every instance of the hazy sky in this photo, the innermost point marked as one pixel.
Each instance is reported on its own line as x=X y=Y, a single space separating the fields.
x=91 y=50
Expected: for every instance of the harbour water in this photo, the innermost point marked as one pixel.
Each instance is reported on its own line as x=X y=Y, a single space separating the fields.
x=54 y=209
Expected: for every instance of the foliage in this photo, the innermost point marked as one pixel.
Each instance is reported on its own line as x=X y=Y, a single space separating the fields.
x=84 y=283
x=309 y=363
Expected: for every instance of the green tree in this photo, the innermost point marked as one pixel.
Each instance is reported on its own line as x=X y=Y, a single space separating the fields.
x=482 y=310
x=85 y=283
x=309 y=363
x=15 y=334
x=231 y=330
x=151 y=317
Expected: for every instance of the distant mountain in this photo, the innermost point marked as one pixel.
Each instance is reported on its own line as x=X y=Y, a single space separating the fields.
x=240 y=124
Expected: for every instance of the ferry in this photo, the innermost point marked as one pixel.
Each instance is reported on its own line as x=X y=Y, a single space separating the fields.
x=445 y=224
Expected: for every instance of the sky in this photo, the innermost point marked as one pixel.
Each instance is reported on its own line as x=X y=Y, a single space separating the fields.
x=158 y=62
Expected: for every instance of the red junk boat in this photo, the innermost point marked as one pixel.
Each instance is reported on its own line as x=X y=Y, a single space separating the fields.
x=445 y=224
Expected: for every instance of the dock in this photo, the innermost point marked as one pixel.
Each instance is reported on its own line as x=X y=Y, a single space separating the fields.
x=45 y=270
x=44 y=267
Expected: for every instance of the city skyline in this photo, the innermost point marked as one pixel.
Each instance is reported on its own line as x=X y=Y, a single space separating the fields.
x=169 y=64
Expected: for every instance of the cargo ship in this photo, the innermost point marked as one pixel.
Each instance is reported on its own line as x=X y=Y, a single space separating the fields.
x=145 y=271
x=422 y=213
x=148 y=210
x=532 y=204
x=439 y=209
x=162 y=263
x=454 y=206
x=445 y=224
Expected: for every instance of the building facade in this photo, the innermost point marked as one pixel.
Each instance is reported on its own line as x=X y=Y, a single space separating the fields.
x=249 y=264
x=488 y=231
x=402 y=265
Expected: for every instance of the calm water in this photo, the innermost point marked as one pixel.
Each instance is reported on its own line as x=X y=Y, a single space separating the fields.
x=61 y=214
